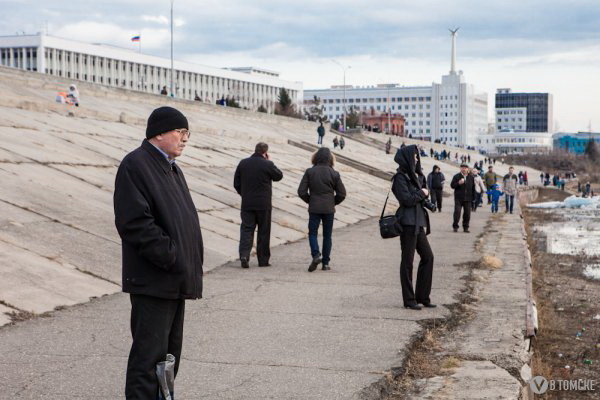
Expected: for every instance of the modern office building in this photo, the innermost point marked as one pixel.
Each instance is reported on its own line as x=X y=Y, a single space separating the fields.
x=575 y=142
x=523 y=122
x=524 y=112
x=118 y=67
x=451 y=111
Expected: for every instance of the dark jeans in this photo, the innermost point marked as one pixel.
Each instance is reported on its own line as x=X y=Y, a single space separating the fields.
x=489 y=188
x=250 y=219
x=157 y=330
x=476 y=201
x=320 y=139
x=465 y=206
x=510 y=200
x=314 y=220
x=436 y=198
x=409 y=242
x=494 y=206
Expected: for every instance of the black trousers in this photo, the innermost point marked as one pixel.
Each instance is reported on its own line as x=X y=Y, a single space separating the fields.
x=157 y=330
x=466 y=207
x=436 y=197
x=250 y=219
x=409 y=242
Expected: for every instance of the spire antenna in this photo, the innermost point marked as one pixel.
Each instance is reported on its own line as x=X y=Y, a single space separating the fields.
x=453 y=32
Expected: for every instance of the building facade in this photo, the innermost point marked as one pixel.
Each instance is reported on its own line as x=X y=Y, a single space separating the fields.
x=575 y=142
x=383 y=122
x=523 y=122
x=451 y=111
x=524 y=112
x=117 y=67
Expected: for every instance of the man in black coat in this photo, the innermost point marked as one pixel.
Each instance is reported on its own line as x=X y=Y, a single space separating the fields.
x=253 y=181
x=162 y=247
x=435 y=183
x=463 y=184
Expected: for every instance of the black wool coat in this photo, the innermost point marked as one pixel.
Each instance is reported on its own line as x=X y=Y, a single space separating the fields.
x=159 y=227
x=322 y=188
x=466 y=191
x=253 y=181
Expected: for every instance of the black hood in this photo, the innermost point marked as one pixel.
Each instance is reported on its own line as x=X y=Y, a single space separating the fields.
x=405 y=158
x=434 y=168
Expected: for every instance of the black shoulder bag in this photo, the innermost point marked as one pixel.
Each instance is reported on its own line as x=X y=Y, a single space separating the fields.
x=388 y=225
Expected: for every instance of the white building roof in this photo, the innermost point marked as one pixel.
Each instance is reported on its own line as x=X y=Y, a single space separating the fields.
x=118 y=53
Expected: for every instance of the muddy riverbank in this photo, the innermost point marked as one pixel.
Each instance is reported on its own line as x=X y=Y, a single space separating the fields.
x=565 y=250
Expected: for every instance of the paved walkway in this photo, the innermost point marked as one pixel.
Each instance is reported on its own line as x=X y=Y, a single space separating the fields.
x=277 y=332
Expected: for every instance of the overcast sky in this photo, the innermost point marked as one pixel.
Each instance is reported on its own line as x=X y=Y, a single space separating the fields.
x=528 y=45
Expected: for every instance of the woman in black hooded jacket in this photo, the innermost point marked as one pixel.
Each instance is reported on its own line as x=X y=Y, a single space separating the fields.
x=410 y=189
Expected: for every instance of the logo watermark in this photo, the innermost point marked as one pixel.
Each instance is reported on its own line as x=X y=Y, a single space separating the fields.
x=540 y=385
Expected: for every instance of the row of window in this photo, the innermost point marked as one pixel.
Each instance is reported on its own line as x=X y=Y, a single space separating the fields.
x=507 y=112
x=512 y=119
x=376 y=100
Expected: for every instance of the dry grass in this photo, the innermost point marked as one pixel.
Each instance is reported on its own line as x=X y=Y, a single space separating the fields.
x=490 y=262
x=450 y=363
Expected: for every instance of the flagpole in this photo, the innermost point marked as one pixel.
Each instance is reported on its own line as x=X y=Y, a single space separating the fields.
x=140 y=42
x=172 y=49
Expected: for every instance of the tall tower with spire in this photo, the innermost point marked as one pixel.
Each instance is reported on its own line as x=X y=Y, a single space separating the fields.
x=453 y=32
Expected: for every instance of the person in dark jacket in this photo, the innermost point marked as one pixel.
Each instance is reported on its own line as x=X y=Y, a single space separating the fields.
x=320 y=133
x=463 y=184
x=322 y=188
x=253 y=181
x=435 y=183
x=410 y=190
x=162 y=247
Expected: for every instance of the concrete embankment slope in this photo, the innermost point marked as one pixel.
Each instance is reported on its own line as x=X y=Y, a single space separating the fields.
x=58 y=244
x=57 y=166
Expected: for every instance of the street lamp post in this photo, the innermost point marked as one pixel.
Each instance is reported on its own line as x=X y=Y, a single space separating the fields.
x=172 y=48
x=344 y=68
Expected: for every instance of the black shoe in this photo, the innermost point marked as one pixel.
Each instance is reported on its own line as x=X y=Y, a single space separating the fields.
x=413 y=306
x=466 y=230
x=429 y=305
x=455 y=229
x=244 y=262
x=264 y=265
x=315 y=262
x=326 y=267
x=439 y=210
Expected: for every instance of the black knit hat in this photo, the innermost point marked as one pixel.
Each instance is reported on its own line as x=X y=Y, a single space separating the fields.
x=165 y=119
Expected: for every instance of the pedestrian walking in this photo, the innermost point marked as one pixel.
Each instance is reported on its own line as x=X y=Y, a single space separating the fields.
x=336 y=142
x=342 y=143
x=490 y=178
x=495 y=194
x=435 y=183
x=414 y=220
x=253 y=180
x=525 y=179
x=320 y=133
x=463 y=184
x=542 y=178
x=480 y=189
x=162 y=250
x=388 y=146
x=322 y=188
x=510 y=189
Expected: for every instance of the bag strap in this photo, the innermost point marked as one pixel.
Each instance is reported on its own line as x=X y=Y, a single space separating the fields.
x=387 y=197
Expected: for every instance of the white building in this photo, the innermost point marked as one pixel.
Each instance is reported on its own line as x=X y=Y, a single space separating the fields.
x=113 y=66
x=451 y=111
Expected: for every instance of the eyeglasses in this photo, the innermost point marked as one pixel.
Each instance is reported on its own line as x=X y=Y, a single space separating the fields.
x=183 y=132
